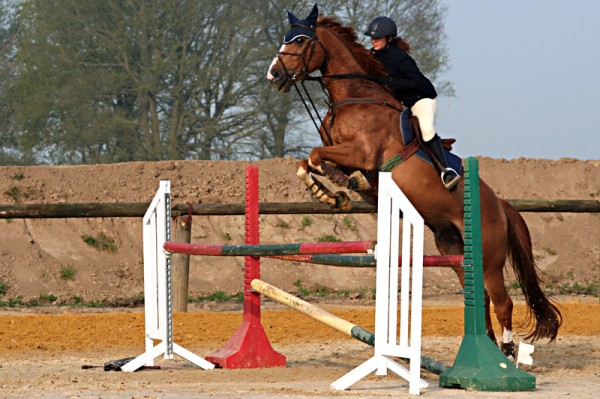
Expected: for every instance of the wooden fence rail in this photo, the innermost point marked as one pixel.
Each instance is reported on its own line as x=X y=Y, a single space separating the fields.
x=137 y=209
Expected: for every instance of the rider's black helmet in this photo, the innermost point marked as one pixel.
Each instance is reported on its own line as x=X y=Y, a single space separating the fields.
x=382 y=26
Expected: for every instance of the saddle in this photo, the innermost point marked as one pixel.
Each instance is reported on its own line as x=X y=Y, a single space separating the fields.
x=415 y=145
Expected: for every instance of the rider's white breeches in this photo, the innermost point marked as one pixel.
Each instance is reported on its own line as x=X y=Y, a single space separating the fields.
x=425 y=109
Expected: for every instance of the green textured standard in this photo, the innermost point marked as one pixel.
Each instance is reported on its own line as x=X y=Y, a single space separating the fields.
x=479 y=364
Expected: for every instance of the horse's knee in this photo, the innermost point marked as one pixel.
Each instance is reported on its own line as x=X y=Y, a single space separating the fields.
x=314 y=160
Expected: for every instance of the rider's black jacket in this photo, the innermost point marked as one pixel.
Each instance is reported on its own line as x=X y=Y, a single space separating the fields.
x=406 y=80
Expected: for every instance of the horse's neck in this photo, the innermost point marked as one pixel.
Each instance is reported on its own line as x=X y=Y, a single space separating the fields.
x=342 y=61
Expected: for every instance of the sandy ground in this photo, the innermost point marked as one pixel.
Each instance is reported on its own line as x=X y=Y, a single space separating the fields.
x=42 y=352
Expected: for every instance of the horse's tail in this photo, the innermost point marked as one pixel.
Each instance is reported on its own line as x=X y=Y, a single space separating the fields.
x=547 y=316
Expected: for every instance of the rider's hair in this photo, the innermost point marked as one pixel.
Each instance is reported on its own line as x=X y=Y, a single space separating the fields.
x=403 y=44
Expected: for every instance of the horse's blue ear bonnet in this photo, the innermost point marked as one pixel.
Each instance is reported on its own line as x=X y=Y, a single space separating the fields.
x=302 y=27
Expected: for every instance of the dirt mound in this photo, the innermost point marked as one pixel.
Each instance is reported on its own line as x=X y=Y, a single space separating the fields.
x=50 y=259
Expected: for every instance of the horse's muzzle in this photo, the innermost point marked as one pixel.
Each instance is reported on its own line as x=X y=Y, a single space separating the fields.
x=279 y=81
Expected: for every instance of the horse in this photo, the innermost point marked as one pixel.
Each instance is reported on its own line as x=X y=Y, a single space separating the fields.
x=360 y=134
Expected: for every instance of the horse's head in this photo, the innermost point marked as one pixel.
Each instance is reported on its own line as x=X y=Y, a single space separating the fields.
x=299 y=55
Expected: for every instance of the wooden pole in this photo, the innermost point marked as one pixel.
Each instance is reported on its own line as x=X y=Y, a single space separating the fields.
x=134 y=209
x=331 y=320
x=310 y=310
x=181 y=263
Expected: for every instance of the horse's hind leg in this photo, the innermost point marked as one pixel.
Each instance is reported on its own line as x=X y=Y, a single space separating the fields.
x=488 y=319
x=503 y=306
x=449 y=241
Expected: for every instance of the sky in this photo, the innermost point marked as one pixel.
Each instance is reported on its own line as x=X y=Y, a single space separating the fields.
x=527 y=78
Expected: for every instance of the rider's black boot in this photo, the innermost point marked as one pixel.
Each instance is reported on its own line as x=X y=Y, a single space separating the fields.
x=449 y=176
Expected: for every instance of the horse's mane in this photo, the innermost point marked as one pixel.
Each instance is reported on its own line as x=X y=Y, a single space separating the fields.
x=361 y=54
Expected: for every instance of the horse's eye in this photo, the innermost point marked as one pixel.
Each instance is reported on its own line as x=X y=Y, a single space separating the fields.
x=300 y=40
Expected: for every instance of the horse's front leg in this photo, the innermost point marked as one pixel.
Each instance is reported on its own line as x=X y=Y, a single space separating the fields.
x=356 y=181
x=339 y=200
x=350 y=154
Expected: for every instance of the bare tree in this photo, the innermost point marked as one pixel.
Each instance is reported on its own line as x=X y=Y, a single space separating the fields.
x=124 y=80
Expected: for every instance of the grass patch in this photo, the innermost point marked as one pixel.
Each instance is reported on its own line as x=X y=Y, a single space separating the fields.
x=47 y=299
x=96 y=303
x=591 y=289
x=349 y=224
x=3 y=288
x=18 y=176
x=13 y=302
x=45 y=276
x=328 y=238
x=227 y=237
x=218 y=296
x=570 y=274
x=282 y=224
x=302 y=290
x=581 y=289
x=17 y=194
x=322 y=292
x=306 y=221
x=101 y=242
x=68 y=272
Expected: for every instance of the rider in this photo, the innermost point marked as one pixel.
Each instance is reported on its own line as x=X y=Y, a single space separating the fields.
x=409 y=86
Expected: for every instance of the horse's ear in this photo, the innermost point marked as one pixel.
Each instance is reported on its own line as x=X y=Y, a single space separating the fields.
x=314 y=14
x=292 y=18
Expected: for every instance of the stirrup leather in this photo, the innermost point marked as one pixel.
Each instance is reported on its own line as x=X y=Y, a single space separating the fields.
x=452 y=182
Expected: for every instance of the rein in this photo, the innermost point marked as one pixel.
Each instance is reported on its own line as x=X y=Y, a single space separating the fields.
x=332 y=107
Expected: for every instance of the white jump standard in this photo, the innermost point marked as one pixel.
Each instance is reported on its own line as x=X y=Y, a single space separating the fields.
x=158 y=309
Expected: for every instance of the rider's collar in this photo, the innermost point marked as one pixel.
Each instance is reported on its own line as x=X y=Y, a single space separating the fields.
x=299 y=30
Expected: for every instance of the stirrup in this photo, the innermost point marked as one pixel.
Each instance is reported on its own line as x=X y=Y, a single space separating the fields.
x=449 y=185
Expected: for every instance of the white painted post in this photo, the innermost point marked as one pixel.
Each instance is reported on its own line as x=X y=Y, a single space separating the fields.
x=388 y=341
x=158 y=309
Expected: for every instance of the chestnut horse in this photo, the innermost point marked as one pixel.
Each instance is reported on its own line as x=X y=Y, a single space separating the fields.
x=361 y=132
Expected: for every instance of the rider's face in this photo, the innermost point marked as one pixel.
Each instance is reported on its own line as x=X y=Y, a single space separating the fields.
x=378 y=43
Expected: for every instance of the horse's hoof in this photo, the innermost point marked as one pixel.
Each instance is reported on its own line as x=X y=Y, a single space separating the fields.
x=509 y=350
x=342 y=201
x=358 y=182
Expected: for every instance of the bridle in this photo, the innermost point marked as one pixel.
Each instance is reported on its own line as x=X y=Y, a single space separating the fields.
x=307 y=55
x=310 y=47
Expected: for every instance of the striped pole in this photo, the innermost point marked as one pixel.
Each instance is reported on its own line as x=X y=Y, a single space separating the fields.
x=271 y=249
x=368 y=260
x=331 y=320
